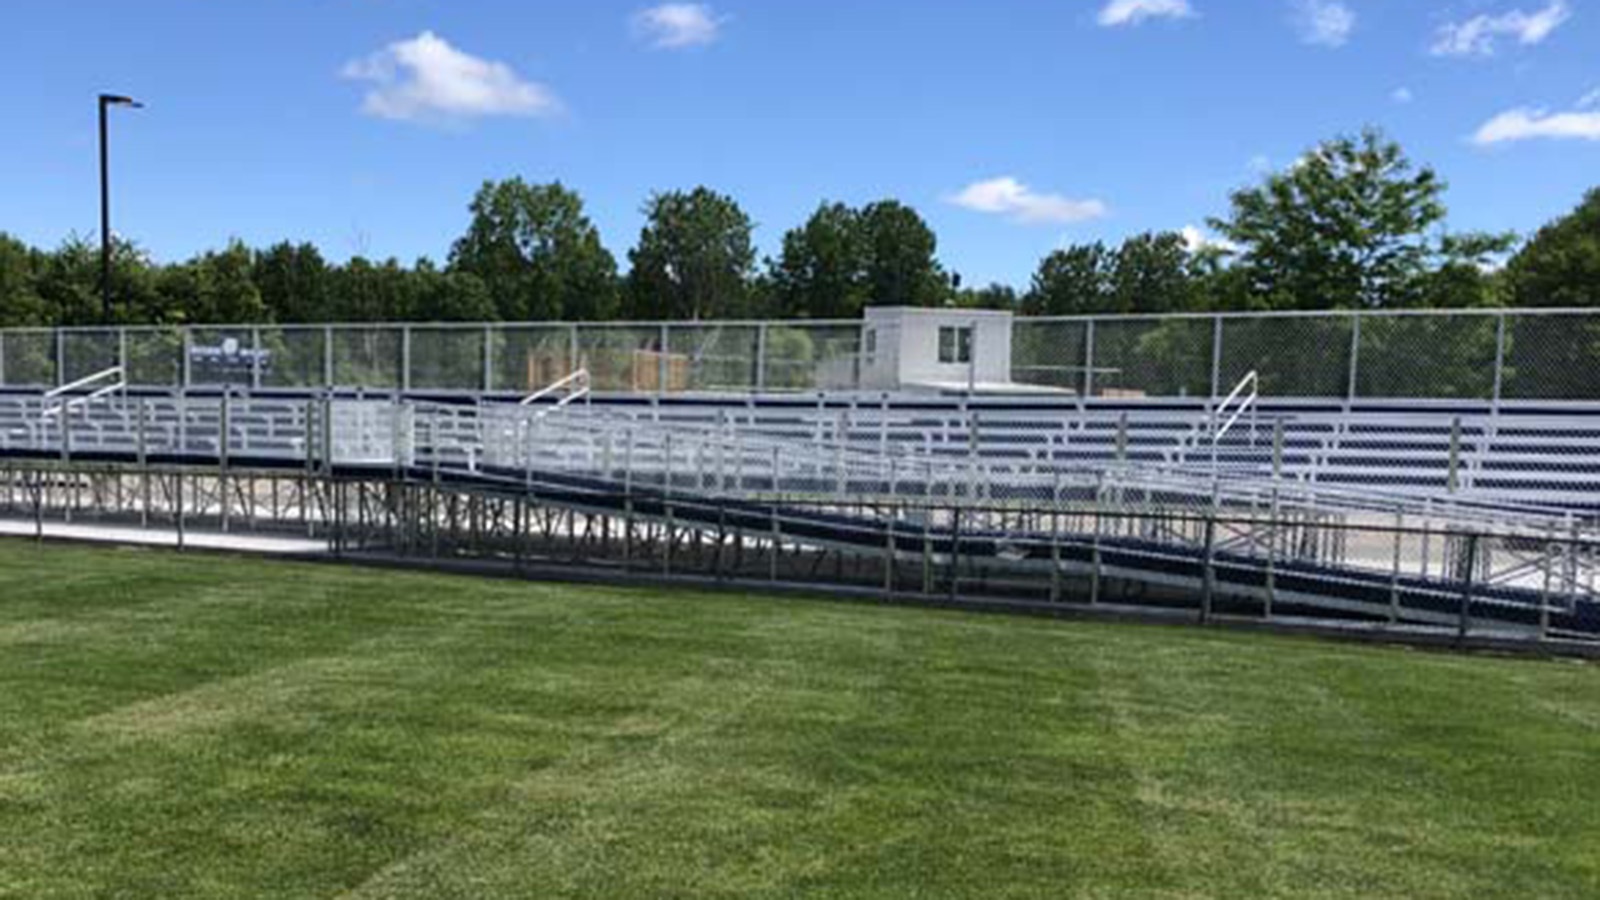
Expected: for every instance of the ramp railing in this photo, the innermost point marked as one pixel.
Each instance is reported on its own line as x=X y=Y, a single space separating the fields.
x=60 y=400
x=1226 y=414
x=576 y=385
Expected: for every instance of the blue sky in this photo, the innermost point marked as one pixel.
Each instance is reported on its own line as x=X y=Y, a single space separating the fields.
x=1014 y=126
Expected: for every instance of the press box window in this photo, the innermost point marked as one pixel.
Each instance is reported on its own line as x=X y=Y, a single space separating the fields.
x=955 y=344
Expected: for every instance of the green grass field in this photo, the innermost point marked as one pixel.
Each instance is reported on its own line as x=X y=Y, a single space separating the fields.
x=200 y=726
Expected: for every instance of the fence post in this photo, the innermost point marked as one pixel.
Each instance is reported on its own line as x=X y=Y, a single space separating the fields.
x=1469 y=570
x=255 y=360
x=2 y=358
x=177 y=493
x=122 y=353
x=572 y=348
x=1088 y=360
x=1216 y=357
x=1355 y=356
x=1055 y=539
x=141 y=450
x=405 y=358
x=327 y=435
x=1453 y=479
x=888 y=554
x=761 y=357
x=1209 y=579
x=222 y=457
x=1499 y=358
x=1548 y=565
x=186 y=348
x=1394 y=575
x=955 y=552
x=327 y=356
x=662 y=369
x=61 y=358
x=1277 y=449
x=488 y=358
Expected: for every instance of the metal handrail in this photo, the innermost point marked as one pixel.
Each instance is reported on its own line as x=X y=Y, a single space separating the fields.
x=577 y=376
x=83 y=382
x=49 y=411
x=572 y=444
x=1250 y=381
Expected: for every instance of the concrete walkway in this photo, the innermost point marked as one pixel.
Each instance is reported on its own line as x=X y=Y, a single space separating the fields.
x=165 y=537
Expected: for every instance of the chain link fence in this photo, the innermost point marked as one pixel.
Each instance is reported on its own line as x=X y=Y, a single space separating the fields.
x=1487 y=355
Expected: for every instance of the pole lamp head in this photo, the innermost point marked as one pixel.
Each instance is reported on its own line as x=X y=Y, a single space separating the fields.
x=119 y=100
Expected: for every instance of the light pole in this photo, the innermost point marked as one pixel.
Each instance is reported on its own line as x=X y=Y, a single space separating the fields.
x=107 y=101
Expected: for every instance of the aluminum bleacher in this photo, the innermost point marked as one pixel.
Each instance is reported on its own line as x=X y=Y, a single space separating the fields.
x=1142 y=467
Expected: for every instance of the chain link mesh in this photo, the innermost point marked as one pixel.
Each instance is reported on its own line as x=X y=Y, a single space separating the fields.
x=628 y=358
x=527 y=358
x=1447 y=357
x=295 y=357
x=1300 y=356
x=1552 y=357
x=367 y=357
x=446 y=359
x=802 y=357
x=83 y=353
x=1453 y=356
x=1153 y=357
x=1049 y=353
x=28 y=358
x=154 y=356
x=716 y=357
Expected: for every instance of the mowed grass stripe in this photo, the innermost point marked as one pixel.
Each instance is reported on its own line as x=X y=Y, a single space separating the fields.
x=232 y=728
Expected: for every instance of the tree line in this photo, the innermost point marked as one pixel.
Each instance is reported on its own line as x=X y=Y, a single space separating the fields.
x=1352 y=224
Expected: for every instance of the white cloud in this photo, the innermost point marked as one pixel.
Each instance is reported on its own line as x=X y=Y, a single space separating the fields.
x=425 y=78
x=1196 y=240
x=1526 y=124
x=1132 y=12
x=1402 y=95
x=1009 y=197
x=1478 y=35
x=1327 y=23
x=675 y=26
x=1590 y=100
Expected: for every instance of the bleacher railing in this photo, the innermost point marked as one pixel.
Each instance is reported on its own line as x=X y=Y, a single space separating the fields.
x=1483 y=355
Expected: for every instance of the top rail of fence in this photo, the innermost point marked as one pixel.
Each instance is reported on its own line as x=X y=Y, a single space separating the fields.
x=1490 y=355
x=1473 y=312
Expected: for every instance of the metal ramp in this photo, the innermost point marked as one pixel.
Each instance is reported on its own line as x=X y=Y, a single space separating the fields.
x=824 y=508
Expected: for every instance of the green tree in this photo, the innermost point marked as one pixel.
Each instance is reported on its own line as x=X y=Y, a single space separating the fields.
x=901 y=268
x=1072 y=281
x=1553 y=357
x=1151 y=274
x=293 y=281
x=537 y=253
x=1560 y=266
x=233 y=296
x=1353 y=224
x=446 y=296
x=822 y=271
x=68 y=282
x=20 y=303
x=694 y=259
x=366 y=292
x=211 y=289
x=993 y=296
